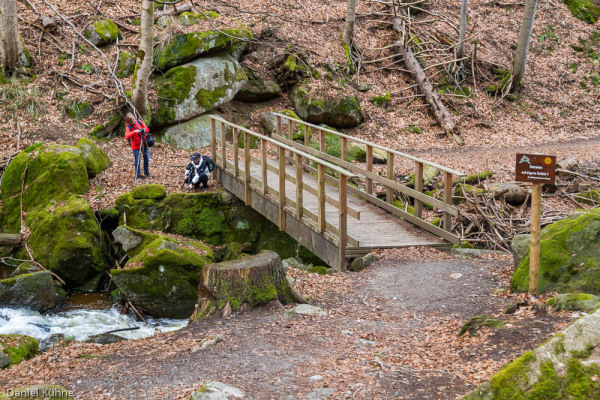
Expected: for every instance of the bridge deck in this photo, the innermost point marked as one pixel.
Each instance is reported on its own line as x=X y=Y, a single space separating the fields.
x=376 y=227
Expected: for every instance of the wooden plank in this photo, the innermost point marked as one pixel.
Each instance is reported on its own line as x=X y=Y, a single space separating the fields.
x=370 y=168
x=389 y=195
x=282 y=189
x=236 y=157
x=10 y=239
x=223 y=145
x=213 y=140
x=409 y=217
x=246 y=168
x=299 y=186
x=447 y=200
x=321 y=197
x=343 y=222
x=419 y=188
x=376 y=178
x=263 y=164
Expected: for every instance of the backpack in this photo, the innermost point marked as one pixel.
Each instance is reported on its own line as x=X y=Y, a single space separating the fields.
x=209 y=163
x=149 y=140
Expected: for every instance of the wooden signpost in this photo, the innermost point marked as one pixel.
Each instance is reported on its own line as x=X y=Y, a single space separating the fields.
x=539 y=170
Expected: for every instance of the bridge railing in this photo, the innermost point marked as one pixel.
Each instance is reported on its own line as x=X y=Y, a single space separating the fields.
x=227 y=156
x=286 y=127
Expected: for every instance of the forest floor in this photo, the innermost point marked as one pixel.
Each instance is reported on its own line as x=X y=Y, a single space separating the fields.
x=389 y=332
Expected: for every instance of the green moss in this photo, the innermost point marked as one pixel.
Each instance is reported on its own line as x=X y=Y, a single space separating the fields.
x=77 y=109
x=149 y=191
x=474 y=179
x=300 y=66
x=479 y=322
x=590 y=197
x=382 y=101
x=584 y=10
x=126 y=65
x=575 y=302
x=105 y=30
x=206 y=99
x=415 y=129
x=26 y=348
x=253 y=140
x=317 y=270
x=174 y=87
x=95 y=159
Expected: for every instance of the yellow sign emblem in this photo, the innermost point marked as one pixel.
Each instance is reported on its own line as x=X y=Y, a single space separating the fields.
x=548 y=161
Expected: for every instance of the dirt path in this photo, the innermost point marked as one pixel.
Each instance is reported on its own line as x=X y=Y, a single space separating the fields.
x=389 y=332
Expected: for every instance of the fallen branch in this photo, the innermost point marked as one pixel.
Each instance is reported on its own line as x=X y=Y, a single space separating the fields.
x=121 y=330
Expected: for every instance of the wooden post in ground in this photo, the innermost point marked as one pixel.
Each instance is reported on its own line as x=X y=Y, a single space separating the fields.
x=281 y=189
x=236 y=141
x=534 y=252
x=299 y=186
x=448 y=200
x=247 y=178
x=389 y=196
x=322 y=141
x=263 y=166
x=418 y=206
x=369 y=168
x=344 y=155
x=343 y=221
x=223 y=146
x=213 y=139
x=321 y=198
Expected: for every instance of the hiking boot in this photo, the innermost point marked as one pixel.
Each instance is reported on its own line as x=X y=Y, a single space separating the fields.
x=148 y=176
x=138 y=178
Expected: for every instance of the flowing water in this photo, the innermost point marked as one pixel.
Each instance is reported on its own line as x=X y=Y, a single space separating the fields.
x=82 y=315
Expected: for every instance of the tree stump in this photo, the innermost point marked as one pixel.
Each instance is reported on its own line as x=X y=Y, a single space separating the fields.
x=254 y=280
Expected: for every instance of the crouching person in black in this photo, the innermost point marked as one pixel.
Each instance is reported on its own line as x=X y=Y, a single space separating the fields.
x=198 y=171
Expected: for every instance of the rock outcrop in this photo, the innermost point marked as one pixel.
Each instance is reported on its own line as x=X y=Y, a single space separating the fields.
x=34 y=290
x=17 y=348
x=102 y=32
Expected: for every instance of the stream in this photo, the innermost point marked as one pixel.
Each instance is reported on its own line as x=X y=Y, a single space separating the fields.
x=80 y=316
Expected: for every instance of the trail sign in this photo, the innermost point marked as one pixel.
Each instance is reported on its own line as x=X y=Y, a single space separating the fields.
x=535 y=168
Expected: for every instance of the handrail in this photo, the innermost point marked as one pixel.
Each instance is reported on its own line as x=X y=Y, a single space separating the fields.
x=286 y=147
x=375 y=145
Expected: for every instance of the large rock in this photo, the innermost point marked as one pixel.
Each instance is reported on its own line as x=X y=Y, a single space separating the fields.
x=519 y=247
x=258 y=88
x=584 y=10
x=102 y=32
x=188 y=46
x=511 y=192
x=569 y=259
x=126 y=67
x=95 y=159
x=193 y=134
x=34 y=290
x=340 y=111
x=65 y=235
x=162 y=274
x=217 y=391
x=565 y=367
x=190 y=90
x=574 y=302
x=18 y=348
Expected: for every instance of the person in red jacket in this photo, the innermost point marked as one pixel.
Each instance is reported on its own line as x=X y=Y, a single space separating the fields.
x=135 y=132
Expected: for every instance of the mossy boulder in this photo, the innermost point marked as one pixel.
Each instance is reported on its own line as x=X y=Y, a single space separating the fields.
x=565 y=367
x=149 y=191
x=340 y=111
x=584 y=10
x=189 y=90
x=126 y=65
x=78 y=109
x=512 y=193
x=34 y=290
x=18 y=348
x=193 y=134
x=258 y=88
x=188 y=46
x=102 y=32
x=162 y=274
x=107 y=127
x=574 y=302
x=382 y=101
x=569 y=259
x=95 y=159
x=189 y=19
x=589 y=197
x=519 y=247
x=39 y=392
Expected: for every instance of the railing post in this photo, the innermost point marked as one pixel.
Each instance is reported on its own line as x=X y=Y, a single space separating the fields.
x=247 y=178
x=369 y=168
x=322 y=141
x=343 y=221
x=321 y=198
x=306 y=136
x=344 y=149
x=281 y=189
x=389 y=196
x=278 y=125
x=236 y=140
x=419 y=188
x=263 y=166
x=447 y=200
x=223 y=146
x=299 y=187
x=213 y=139
x=291 y=134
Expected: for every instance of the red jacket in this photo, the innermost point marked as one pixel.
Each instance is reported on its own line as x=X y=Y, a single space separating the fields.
x=134 y=138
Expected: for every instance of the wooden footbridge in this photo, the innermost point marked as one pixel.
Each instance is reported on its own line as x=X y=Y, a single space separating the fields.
x=317 y=198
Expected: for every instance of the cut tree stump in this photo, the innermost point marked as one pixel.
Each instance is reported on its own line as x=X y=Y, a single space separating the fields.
x=254 y=280
x=11 y=239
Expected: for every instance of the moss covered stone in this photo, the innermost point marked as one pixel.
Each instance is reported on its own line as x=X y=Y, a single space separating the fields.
x=126 y=65
x=162 y=274
x=95 y=159
x=189 y=19
x=569 y=259
x=589 y=197
x=584 y=10
x=18 y=347
x=77 y=109
x=107 y=127
x=340 y=111
x=184 y=47
x=190 y=90
x=317 y=270
x=103 y=32
x=565 y=367
x=258 y=88
x=195 y=133
x=382 y=101
x=34 y=290
x=575 y=302
x=149 y=191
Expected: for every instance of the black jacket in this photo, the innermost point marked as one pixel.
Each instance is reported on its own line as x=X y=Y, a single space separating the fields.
x=192 y=169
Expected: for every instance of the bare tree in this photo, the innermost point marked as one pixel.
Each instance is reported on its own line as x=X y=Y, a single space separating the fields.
x=460 y=51
x=144 y=58
x=10 y=46
x=523 y=45
x=349 y=26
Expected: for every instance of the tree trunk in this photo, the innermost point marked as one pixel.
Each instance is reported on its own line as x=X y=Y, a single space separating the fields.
x=523 y=46
x=349 y=26
x=11 y=239
x=11 y=46
x=460 y=51
x=144 y=58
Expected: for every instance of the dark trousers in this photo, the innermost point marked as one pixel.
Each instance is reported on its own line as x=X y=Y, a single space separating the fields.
x=203 y=180
x=137 y=161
